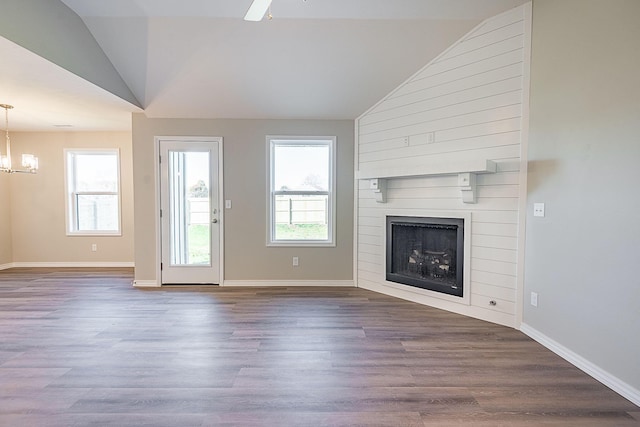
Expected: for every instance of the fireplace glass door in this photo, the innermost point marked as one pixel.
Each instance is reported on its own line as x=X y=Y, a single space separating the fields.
x=426 y=253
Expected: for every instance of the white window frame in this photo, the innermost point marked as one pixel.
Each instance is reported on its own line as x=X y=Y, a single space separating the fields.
x=330 y=141
x=71 y=193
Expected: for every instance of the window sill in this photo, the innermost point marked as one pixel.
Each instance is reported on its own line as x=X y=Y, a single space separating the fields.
x=94 y=233
x=300 y=244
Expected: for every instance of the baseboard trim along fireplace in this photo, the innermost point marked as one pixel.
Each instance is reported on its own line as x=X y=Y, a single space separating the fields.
x=429 y=254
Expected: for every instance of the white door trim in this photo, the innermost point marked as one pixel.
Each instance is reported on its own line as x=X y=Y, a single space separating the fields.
x=156 y=171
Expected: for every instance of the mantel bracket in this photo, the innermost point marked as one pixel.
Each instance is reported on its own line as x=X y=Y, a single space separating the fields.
x=467 y=183
x=379 y=187
x=466 y=170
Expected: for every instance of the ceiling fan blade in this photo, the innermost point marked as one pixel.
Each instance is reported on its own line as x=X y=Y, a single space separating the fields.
x=257 y=10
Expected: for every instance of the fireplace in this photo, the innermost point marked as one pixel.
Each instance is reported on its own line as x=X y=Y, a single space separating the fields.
x=426 y=252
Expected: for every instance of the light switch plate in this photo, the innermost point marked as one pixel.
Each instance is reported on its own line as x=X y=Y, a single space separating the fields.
x=538 y=209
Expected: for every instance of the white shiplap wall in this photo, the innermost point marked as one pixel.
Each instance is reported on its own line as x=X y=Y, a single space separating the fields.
x=470 y=102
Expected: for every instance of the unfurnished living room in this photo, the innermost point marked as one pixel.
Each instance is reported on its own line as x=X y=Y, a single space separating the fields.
x=319 y=213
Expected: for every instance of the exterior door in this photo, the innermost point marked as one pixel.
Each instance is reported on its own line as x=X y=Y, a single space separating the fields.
x=189 y=200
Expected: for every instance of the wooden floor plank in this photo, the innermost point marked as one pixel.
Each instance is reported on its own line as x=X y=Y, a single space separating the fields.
x=83 y=347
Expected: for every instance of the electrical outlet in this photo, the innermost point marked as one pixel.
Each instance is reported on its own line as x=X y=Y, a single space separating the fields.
x=534 y=299
x=295 y=261
x=94 y=247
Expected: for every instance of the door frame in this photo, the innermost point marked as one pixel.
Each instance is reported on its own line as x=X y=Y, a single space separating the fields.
x=156 y=169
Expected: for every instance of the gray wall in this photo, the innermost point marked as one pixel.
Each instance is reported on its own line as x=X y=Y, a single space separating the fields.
x=245 y=174
x=584 y=149
x=51 y=30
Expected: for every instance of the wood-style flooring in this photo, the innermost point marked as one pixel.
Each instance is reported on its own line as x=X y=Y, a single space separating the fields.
x=82 y=347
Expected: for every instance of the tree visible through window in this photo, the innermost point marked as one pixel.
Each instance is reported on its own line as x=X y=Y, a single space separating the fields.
x=301 y=198
x=93 y=191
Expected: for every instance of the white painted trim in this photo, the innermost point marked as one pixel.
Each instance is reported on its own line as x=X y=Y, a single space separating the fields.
x=435 y=167
x=124 y=264
x=332 y=197
x=221 y=200
x=290 y=283
x=146 y=284
x=356 y=198
x=156 y=201
x=69 y=215
x=524 y=156
x=614 y=383
x=6 y=266
x=416 y=295
x=221 y=209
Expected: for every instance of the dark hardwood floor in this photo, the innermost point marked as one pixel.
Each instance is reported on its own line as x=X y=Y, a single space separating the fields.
x=83 y=348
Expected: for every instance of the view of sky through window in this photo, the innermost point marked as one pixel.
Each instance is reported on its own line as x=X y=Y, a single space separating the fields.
x=301 y=167
x=96 y=172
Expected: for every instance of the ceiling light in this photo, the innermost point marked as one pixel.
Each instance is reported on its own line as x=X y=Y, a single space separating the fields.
x=257 y=10
x=29 y=161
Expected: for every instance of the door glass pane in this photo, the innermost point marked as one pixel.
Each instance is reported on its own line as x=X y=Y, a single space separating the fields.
x=189 y=208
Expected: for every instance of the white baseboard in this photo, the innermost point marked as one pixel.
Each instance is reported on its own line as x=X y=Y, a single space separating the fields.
x=289 y=283
x=424 y=297
x=6 y=266
x=73 y=265
x=146 y=284
x=611 y=381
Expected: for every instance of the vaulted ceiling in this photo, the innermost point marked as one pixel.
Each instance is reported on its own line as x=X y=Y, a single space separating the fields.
x=199 y=59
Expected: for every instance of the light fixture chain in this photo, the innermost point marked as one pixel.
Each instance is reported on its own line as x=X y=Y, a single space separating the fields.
x=5 y=162
x=6 y=120
x=6 y=123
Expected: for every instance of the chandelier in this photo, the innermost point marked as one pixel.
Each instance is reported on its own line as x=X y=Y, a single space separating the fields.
x=29 y=161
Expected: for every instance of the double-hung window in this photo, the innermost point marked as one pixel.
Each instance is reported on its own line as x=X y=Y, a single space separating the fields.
x=301 y=191
x=93 y=192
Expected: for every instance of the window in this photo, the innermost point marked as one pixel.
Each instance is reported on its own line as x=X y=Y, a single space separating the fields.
x=301 y=191
x=93 y=192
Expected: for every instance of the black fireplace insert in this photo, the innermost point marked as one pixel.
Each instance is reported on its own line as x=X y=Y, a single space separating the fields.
x=426 y=252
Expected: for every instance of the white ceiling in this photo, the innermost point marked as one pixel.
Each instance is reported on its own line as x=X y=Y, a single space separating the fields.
x=199 y=59
x=47 y=97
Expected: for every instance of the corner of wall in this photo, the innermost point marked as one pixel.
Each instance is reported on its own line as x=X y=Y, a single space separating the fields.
x=6 y=232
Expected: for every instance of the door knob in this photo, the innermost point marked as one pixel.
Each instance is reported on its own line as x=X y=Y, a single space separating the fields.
x=214 y=221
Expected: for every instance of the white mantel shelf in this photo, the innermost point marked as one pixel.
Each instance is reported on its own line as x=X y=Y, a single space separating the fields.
x=426 y=169
x=465 y=169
